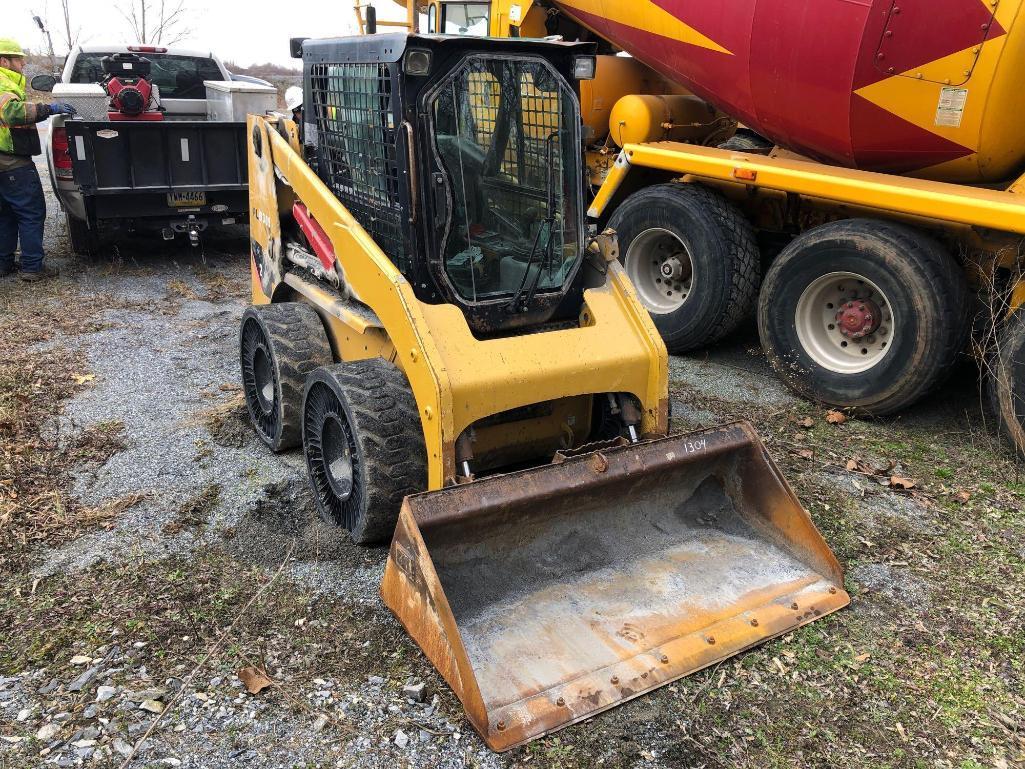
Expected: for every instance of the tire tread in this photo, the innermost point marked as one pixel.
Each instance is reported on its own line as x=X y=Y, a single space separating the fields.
x=389 y=434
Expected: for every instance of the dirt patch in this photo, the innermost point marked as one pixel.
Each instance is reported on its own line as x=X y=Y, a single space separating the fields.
x=196 y=511
x=228 y=422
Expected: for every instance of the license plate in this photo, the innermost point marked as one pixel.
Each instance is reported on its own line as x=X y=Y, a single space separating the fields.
x=186 y=199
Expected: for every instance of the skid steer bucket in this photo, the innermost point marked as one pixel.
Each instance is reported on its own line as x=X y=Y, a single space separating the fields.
x=548 y=595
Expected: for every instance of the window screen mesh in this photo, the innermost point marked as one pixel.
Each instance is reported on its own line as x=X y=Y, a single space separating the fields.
x=356 y=119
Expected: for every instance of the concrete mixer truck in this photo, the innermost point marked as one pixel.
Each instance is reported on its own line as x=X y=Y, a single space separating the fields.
x=846 y=170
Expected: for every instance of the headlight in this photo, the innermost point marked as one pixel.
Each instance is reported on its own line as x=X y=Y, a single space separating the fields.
x=583 y=67
x=417 y=62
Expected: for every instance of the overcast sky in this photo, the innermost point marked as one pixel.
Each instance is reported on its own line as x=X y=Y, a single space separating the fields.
x=244 y=31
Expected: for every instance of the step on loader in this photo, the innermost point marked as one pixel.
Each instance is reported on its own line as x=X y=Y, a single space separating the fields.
x=471 y=376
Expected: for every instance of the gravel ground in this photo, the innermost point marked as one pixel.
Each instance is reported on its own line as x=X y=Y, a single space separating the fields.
x=166 y=371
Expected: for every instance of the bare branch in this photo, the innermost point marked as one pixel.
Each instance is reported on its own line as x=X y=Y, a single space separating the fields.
x=156 y=21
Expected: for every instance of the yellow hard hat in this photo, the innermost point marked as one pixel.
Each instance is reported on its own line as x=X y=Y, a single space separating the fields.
x=9 y=47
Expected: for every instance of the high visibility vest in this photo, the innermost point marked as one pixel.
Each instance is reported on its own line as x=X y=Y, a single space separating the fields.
x=18 y=135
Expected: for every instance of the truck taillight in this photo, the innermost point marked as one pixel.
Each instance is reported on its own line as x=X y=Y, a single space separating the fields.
x=61 y=153
x=146 y=49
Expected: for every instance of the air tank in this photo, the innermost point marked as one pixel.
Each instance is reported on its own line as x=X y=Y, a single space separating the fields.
x=929 y=88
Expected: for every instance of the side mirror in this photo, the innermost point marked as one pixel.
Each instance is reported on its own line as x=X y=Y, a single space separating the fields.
x=43 y=83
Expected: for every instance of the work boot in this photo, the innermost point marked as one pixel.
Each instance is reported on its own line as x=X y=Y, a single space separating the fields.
x=38 y=275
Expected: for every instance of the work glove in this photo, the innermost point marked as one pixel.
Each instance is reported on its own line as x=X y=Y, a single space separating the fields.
x=62 y=108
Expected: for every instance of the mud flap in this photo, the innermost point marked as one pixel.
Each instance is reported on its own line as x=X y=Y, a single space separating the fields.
x=548 y=595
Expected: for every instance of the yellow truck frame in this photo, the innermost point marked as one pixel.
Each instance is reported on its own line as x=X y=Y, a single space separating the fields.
x=929 y=203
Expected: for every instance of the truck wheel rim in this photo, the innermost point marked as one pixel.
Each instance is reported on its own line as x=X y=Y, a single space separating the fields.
x=661 y=269
x=331 y=457
x=334 y=443
x=258 y=380
x=845 y=323
x=263 y=376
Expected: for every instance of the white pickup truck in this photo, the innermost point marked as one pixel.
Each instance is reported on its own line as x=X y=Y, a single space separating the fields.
x=176 y=175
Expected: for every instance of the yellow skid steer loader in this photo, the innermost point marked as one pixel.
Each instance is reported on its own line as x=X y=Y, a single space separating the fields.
x=471 y=375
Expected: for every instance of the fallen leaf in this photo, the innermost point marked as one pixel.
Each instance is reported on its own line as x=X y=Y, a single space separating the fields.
x=836 y=417
x=963 y=497
x=254 y=679
x=83 y=378
x=855 y=465
x=896 y=482
x=806 y=453
x=862 y=657
x=901 y=732
x=806 y=423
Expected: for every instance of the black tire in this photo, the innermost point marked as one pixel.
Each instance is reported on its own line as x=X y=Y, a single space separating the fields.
x=718 y=242
x=84 y=241
x=922 y=315
x=279 y=345
x=364 y=446
x=1007 y=381
x=748 y=141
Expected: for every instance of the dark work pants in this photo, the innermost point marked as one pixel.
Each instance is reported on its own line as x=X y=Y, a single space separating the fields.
x=22 y=215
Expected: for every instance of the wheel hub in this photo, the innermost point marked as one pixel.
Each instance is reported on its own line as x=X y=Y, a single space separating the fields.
x=659 y=265
x=845 y=323
x=671 y=268
x=858 y=318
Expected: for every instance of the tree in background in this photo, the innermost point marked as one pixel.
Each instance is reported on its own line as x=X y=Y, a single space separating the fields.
x=69 y=32
x=156 y=21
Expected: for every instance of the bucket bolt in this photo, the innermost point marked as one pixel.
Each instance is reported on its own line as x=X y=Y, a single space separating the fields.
x=858 y=318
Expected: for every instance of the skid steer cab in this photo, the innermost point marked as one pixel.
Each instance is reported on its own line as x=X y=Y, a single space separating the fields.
x=469 y=374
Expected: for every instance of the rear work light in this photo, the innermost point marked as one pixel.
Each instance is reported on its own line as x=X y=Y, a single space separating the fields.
x=61 y=154
x=146 y=49
x=583 y=67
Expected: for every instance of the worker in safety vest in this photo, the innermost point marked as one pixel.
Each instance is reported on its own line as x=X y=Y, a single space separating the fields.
x=22 y=204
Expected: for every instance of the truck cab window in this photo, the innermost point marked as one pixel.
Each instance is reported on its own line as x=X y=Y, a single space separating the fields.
x=465 y=19
x=177 y=77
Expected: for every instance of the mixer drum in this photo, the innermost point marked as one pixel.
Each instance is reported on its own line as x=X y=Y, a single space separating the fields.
x=911 y=86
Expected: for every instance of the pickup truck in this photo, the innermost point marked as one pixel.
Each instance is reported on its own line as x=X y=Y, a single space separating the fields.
x=177 y=175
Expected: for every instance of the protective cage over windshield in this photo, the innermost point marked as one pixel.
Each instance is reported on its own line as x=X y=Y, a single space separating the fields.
x=507 y=145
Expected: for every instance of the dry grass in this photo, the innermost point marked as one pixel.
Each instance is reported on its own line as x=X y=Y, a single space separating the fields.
x=39 y=371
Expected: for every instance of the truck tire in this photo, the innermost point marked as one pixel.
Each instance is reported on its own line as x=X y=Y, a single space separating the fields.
x=693 y=259
x=279 y=345
x=748 y=141
x=863 y=314
x=1007 y=381
x=84 y=241
x=364 y=446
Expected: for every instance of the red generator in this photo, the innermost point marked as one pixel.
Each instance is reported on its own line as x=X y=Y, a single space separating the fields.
x=132 y=95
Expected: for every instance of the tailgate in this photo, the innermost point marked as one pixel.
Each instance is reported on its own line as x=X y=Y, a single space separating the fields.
x=178 y=157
